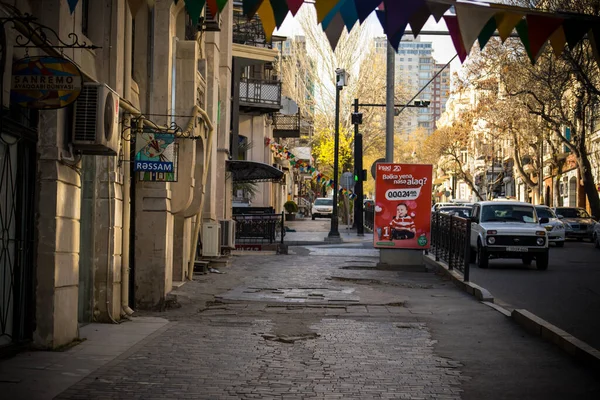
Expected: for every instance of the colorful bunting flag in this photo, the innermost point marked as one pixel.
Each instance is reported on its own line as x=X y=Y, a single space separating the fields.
x=506 y=22
x=438 y=9
x=398 y=13
x=250 y=7
x=324 y=7
x=329 y=17
x=280 y=11
x=472 y=20
x=454 y=30
x=364 y=8
x=486 y=33
x=540 y=28
x=265 y=12
x=349 y=14
x=194 y=9
x=418 y=19
x=212 y=6
x=558 y=40
x=575 y=30
x=334 y=30
x=293 y=5
x=72 y=5
x=135 y=5
x=524 y=35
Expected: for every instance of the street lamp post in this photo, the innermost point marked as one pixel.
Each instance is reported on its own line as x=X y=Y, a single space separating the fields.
x=341 y=81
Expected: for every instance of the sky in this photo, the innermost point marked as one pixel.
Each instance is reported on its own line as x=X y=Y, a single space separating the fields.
x=443 y=49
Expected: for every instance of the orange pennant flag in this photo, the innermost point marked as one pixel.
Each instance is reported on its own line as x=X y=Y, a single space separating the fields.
x=506 y=22
x=267 y=17
x=558 y=40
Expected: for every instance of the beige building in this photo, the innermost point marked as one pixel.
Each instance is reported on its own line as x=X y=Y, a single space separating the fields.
x=91 y=237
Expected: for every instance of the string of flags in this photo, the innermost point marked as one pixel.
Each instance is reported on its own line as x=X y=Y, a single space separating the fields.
x=467 y=22
x=282 y=152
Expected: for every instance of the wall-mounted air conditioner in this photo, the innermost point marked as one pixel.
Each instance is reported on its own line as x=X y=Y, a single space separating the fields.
x=211 y=238
x=228 y=234
x=96 y=121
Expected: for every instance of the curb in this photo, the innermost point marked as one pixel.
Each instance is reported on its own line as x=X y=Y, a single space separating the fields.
x=527 y=320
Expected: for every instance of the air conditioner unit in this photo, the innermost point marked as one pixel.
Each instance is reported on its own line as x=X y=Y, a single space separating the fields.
x=228 y=234
x=96 y=122
x=211 y=238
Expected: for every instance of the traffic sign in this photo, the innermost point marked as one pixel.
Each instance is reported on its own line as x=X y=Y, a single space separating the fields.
x=347 y=180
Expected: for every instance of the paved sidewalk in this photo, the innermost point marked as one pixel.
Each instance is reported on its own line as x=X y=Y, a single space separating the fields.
x=325 y=324
x=308 y=232
x=43 y=375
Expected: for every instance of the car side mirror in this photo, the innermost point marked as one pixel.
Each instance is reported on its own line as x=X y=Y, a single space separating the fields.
x=544 y=220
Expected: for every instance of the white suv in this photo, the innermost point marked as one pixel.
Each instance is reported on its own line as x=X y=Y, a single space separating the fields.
x=508 y=229
x=322 y=207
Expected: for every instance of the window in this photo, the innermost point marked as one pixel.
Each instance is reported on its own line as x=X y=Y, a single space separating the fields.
x=409 y=59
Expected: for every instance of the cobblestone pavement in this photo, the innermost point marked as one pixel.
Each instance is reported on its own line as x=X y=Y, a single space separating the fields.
x=333 y=327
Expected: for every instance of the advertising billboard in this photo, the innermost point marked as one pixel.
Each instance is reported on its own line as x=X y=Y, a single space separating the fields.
x=402 y=206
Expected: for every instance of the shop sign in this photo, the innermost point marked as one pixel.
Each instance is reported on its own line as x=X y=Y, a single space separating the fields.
x=402 y=206
x=45 y=83
x=156 y=155
x=248 y=247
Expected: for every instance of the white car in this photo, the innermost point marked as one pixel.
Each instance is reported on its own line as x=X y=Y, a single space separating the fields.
x=554 y=226
x=508 y=229
x=322 y=207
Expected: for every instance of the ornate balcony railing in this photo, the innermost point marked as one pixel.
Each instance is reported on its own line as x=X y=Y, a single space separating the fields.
x=286 y=126
x=260 y=93
x=249 y=32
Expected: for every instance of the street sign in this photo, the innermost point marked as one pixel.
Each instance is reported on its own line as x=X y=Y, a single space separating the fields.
x=347 y=180
x=373 y=170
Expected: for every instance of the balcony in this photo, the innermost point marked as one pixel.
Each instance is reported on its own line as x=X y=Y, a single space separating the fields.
x=286 y=126
x=248 y=32
x=260 y=95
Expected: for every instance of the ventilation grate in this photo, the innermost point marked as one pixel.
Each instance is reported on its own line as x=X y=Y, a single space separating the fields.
x=86 y=114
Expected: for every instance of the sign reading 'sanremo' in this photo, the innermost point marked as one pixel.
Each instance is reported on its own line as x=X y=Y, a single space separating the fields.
x=45 y=83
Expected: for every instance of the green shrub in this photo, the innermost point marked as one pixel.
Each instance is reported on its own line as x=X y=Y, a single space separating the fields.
x=290 y=207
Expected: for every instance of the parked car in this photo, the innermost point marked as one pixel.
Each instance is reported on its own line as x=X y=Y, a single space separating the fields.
x=596 y=235
x=322 y=207
x=578 y=223
x=459 y=211
x=554 y=227
x=508 y=229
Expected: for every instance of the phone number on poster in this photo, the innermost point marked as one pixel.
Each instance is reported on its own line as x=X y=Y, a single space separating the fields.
x=402 y=194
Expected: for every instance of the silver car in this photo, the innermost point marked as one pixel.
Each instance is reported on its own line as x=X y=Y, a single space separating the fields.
x=554 y=226
x=578 y=223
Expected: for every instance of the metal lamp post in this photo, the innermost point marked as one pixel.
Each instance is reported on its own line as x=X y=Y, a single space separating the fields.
x=341 y=80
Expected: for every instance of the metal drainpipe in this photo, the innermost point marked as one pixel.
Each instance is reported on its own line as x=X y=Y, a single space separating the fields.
x=125 y=253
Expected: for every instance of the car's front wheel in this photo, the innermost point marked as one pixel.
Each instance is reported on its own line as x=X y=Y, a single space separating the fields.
x=541 y=261
x=482 y=257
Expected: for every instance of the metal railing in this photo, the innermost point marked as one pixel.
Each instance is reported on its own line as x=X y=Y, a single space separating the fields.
x=260 y=91
x=450 y=241
x=286 y=125
x=259 y=228
x=249 y=32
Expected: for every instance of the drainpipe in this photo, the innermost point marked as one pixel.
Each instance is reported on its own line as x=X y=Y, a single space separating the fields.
x=208 y=150
x=127 y=81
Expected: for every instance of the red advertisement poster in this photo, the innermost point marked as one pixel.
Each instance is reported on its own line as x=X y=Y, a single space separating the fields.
x=402 y=206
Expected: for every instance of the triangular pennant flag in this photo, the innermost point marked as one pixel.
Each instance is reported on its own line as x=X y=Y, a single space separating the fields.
x=349 y=15
x=486 y=33
x=506 y=22
x=329 y=17
x=454 y=30
x=324 y=7
x=418 y=20
x=249 y=7
x=72 y=5
x=265 y=12
x=220 y=4
x=334 y=31
x=135 y=5
x=151 y=4
x=280 y=11
x=595 y=42
x=575 y=30
x=381 y=18
x=524 y=35
x=364 y=8
x=212 y=6
x=558 y=40
x=540 y=28
x=438 y=10
x=293 y=5
x=398 y=13
x=472 y=20
x=194 y=9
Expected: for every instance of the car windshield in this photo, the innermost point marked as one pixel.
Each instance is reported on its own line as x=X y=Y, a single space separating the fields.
x=544 y=212
x=323 y=202
x=463 y=212
x=508 y=213
x=572 y=213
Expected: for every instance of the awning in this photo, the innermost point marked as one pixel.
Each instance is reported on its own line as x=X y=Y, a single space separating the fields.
x=253 y=171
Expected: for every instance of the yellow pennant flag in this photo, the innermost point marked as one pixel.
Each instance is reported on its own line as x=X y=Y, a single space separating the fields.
x=265 y=12
x=506 y=22
x=558 y=40
x=324 y=7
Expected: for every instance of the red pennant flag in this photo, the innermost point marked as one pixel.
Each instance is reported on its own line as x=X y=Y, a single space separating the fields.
x=540 y=29
x=212 y=6
x=294 y=5
x=454 y=29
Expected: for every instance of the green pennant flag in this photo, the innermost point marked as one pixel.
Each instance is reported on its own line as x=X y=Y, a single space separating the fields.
x=250 y=7
x=486 y=33
x=524 y=35
x=280 y=11
x=194 y=9
x=221 y=4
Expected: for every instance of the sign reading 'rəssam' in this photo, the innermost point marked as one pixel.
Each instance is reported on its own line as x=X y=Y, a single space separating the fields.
x=45 y=83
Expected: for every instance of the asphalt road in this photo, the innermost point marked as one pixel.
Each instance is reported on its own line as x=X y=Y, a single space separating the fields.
x=566 y=295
